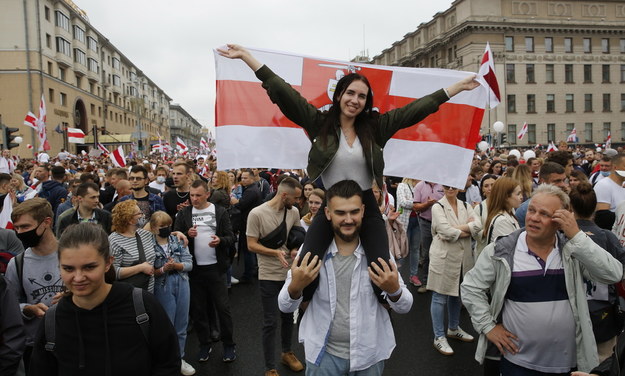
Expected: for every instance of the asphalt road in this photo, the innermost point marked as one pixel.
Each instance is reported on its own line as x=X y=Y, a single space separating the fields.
x=414 y=354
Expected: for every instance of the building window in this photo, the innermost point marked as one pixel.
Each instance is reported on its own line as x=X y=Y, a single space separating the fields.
x=529 y=70
x=80 y=57
x=607 y=127
x=510 y=73
x=51 y=95
x=551 y=132
x=551 y=103
x=512 y=134
x=622 y=73
x=116 y=63
x=623 y=131
x=548 y=44
x=529 y=44
x=509 y=44
x=605 y=73
x=116 y=80
x=622 y=42
x=46 y=12
x=568 y=73
x=605 y=45
x=587 y=73
x=568 y=45
x=63 y=46
x=92 y=44
x=531 y=133
x=606 y=102
x=549 y=76
x=92 y=64
x=63 y=99
x=62 y=74
x=50 y=68
x=512 y=103
x=587 y=45
x=588 y=132
x=62 y=20
x=623 y=102
x=569 y=128
x=587 y=102
x=570 y=107
x=79 y=34
x=531 y=103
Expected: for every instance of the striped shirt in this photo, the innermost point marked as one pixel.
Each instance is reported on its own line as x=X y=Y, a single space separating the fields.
x=538 y=312
x=126 y=253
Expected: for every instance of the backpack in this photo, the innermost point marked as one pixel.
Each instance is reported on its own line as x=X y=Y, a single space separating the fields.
x=142 y=319
x=5 y=257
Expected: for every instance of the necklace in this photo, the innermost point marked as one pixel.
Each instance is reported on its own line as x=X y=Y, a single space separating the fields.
x=183 y=196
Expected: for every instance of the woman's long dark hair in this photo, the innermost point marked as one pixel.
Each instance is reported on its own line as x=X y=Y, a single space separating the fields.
x=363 y=124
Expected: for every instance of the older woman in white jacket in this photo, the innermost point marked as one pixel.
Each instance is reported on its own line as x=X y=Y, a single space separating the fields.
x=453 y=224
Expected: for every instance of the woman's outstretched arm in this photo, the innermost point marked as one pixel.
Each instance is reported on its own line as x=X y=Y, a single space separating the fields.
x=235 y=51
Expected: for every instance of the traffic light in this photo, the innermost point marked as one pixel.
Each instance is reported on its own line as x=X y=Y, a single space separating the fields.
x=9 y=136
x=140 y=144
x=504 y=138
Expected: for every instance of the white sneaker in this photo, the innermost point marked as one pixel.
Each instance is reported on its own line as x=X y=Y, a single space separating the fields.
x=442 y=346
x=234 y=281
x=460 y=335
x=186 y=369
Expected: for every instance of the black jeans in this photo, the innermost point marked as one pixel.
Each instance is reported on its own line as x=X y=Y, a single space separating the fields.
x=372 y=236
x=269 y=291
x=209 y=284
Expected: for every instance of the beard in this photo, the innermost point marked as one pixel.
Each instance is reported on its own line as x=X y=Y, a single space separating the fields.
x=346 y=237
x=137 y=189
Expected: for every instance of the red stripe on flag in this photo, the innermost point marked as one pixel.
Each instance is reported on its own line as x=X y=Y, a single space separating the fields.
x=446 y=125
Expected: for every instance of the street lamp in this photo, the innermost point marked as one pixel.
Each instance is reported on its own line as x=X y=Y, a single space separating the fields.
x=498 y=128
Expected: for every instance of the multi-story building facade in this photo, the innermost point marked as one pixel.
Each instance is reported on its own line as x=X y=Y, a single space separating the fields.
x=560 y=64
x=49 y=48
x=184 y=126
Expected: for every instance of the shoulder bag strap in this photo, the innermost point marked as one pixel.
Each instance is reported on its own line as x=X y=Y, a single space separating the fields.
x=50 y=328
x=140 y=247
x=142 y=318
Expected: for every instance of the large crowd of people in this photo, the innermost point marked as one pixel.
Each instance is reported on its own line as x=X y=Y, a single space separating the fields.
x=105 y=268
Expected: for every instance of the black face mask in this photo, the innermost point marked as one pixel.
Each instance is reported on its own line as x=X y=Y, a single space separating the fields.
x=30 y=238
x=164 y=232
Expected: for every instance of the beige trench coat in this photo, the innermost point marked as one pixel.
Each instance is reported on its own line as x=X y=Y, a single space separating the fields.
x=449 y=254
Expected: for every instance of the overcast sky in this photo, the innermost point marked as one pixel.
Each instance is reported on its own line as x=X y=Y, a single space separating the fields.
x=172 y=41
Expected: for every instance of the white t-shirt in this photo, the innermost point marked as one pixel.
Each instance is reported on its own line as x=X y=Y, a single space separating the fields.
x=206 y=222
x=156 y=185
x=609 y=192
x=43 y=157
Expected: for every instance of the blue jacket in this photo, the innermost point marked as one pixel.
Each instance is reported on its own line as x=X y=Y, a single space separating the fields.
x=156 y=203
x=54 y=192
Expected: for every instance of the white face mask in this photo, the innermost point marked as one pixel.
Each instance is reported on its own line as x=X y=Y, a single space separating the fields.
x=160 y=179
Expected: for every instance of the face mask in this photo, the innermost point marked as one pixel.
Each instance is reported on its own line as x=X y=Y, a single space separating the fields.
x=30 y=238
x=160 y=179
x=164 y=232
x=605 y=173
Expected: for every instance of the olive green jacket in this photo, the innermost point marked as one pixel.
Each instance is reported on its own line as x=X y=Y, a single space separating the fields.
x=297 y=109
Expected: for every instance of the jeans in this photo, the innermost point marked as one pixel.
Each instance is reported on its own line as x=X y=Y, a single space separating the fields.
x=414 y=244
x=209 y=284
x=269 y=291
x=249 y=258
x=510 y=369
x=334 y=366
x=425 y=227
x=437 y=310
x=175 y=295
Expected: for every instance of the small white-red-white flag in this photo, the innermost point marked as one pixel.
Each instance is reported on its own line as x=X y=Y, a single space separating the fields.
x=117 y=157
x=608 y=141
x=572 y=137
x=203 y=144
x=75 y=136
x=39 y=124
x=181 y=145
x=487 y=75
x=5 y=214
x=522 y=132
x=551 y=147
x=31 y=120
x=103 y=148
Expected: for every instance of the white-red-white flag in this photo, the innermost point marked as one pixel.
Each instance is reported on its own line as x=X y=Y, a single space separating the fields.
x=75 y=136
x=487 y=76
x=39 y=125
x=117 y=157
x=273 y=141
x=572 y=137
x=5 y=214
x=203 y=144
x=522 y=132
x=551 y=147
x=103 y=148
x=31 y=120
x=180 y=145
x=608 y=141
